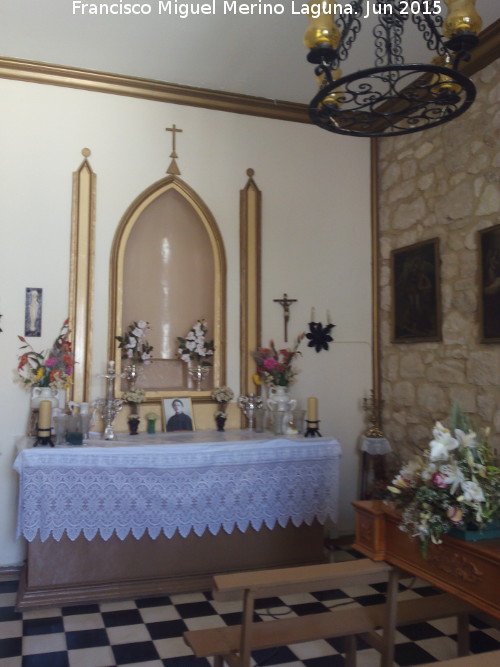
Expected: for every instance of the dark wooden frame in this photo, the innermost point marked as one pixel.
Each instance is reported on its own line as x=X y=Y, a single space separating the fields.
x=489 y=284
x=416 y=293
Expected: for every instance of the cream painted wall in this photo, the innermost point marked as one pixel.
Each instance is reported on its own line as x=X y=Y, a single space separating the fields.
x=316 y=241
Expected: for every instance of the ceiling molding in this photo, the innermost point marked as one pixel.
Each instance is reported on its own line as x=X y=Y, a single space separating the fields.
x=149 y=89
x=487 y=50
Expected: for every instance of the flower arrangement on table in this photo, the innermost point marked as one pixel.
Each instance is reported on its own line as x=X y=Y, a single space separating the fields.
x=222 y=395
x=195 y=346
x=134 y=344
x=275 y=367
x=52 y=368
x=454 y=484
x=134 y=395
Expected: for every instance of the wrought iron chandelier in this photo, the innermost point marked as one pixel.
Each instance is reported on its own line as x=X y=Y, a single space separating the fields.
x=393 y=97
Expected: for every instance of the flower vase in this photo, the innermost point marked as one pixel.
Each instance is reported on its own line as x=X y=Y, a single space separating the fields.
x=279 y=399
x=131 y=376
x=133 y=425
x=198 y=373
x=220 y=420
x=44 y=394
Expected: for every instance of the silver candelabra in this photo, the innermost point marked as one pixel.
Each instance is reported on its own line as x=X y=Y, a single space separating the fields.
x=110 y=406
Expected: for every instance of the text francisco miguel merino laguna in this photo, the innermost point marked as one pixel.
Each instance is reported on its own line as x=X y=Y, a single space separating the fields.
x=186 y=9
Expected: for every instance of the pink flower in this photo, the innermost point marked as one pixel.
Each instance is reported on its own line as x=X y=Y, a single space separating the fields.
x=50 y=362
x=270 y=364
x=439 y=480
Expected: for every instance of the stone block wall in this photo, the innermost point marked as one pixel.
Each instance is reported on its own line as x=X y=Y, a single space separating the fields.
x=443 y=183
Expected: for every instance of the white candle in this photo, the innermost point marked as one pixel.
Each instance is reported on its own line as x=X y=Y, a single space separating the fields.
x=44 y=415
x=111 y=365
x=328 y=317
x=312 y=409
x=312 y=314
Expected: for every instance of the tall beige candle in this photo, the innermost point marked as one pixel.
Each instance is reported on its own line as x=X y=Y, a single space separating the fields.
x=44 y=415
x=312 y=409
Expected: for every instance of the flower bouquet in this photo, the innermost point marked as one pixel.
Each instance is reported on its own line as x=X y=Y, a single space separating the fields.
x=274 y=367
x=133 y=343
x=195 y=347
x=134 y=396
x=52 y=368
x=222 y=395
x=454 y=484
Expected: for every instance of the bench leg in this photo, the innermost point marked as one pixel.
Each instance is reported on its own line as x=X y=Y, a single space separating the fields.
x=350 y=651
x=463 y=634
x=387 y=657
x=246 y=629
x=218 y=661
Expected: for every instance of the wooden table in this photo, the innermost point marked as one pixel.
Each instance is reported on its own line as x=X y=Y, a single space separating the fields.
x=469 y=570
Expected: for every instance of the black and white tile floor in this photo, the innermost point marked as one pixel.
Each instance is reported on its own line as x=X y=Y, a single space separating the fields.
x=148 y=632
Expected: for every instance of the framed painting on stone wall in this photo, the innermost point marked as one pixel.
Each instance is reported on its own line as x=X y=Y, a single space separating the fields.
x=489 y=248
x=416 y=294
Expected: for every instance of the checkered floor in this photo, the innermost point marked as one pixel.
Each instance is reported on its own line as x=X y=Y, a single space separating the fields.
x=148 y=632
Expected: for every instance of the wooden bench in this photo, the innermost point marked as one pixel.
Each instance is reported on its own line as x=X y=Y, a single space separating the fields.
x=234 y=644
x=490 y=659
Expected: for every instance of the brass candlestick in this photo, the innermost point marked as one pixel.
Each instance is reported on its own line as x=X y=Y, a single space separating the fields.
x=373 y=407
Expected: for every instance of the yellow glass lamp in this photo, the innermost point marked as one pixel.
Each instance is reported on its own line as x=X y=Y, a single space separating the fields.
x=462 y=18
x=322 y=31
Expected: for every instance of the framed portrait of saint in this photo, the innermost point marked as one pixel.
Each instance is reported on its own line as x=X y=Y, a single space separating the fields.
x=489 y=288
x=178 y=414
x=33 y=312
x=416 y=297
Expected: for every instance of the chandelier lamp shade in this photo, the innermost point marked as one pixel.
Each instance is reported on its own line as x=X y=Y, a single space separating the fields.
x=392 y=97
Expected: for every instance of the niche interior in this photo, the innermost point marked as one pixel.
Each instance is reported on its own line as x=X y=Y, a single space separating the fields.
x=168 y=268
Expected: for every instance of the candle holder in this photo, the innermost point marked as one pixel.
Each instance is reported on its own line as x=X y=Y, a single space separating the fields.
x=312 y=429
x=373 y=407
x=43 y=438
x=248 y=405
x=110 y=406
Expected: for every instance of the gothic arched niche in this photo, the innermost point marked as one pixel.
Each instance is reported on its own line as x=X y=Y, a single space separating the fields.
x=168 y=268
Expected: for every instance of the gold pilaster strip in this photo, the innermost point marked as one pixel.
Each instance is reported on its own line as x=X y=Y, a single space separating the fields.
x=82 y=277
x=250 y=277
x=375 y=269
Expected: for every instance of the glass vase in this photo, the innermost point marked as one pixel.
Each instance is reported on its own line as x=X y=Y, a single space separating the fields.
x=198 y=373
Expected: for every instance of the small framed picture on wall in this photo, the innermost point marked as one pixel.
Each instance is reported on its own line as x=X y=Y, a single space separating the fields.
x=178 y=414
x=33 y=312
x=489 y=262
x=416 y=298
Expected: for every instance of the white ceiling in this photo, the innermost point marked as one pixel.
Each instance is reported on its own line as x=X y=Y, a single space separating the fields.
x=255 y=55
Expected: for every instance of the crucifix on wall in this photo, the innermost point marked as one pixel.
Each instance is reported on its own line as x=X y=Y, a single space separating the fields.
x=285 y=304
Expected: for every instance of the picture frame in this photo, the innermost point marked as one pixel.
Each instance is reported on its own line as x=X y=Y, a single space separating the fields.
x=416 y=293
x=178 y=414
x=489 y=284
x=33 y=312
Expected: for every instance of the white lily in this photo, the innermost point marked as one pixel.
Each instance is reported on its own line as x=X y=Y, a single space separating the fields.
x=472 y=492
x=442 y=444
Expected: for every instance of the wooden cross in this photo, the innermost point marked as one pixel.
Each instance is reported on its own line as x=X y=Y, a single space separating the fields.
x=285 y=303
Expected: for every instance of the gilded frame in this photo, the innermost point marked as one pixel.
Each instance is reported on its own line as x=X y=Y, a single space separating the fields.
x=416 y=297
x=489 y=284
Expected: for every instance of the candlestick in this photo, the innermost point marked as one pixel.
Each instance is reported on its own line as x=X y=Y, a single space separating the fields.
x=44 y=423
x=312 y=409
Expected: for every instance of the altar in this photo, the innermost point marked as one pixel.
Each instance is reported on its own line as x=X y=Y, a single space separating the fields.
x=162 y=513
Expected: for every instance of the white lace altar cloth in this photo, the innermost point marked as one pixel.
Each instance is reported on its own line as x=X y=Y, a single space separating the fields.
x=183 y=486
